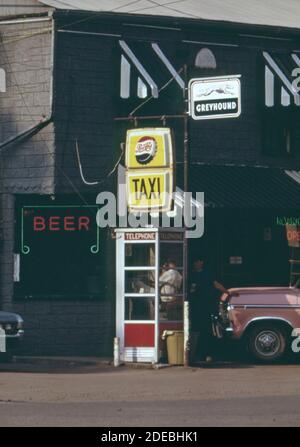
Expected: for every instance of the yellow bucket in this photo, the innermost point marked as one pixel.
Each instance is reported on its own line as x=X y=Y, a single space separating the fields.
x=175 y=347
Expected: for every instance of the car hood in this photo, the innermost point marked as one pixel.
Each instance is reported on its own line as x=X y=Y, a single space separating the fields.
x=9 y=317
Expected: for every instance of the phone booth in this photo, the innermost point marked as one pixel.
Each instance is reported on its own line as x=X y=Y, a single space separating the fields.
x=149 y=290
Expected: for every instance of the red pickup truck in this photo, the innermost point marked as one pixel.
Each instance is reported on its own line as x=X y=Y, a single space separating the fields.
x=265 y=318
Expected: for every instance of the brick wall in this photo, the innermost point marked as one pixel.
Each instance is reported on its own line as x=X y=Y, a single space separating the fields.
x=6 y=250
x=67 y=327
x=236 y=139
x=84 y=88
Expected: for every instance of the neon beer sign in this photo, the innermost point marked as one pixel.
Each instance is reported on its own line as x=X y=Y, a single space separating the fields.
x=38 y=222
x=61 y=223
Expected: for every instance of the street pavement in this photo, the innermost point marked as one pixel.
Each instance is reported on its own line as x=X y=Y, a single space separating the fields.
x=103 y=396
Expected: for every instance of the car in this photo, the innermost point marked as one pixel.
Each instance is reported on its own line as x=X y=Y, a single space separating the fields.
x=12 y=324
x=263 y=318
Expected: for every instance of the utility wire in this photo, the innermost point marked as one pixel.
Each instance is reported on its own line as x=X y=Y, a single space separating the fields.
x=124 y=6
x=93 y=16
x=156 y=4
x=160 y=90
x=86 y=19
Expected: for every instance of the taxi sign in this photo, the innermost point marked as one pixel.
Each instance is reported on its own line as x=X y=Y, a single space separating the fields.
x=149 y=190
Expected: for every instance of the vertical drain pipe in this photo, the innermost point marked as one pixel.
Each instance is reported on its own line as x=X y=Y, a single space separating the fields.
x=186 y=317
x=2 y=340
x=116 y=352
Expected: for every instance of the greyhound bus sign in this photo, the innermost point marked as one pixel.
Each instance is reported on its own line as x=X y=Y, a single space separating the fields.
x=213 y=98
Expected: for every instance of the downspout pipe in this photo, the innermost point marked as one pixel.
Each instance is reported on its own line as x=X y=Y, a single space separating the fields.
x=23 y=136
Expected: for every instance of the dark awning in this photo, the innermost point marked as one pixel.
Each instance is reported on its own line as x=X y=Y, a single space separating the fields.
x=246 y=187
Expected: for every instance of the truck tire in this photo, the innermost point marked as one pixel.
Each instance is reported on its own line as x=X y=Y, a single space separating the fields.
x=267 y=343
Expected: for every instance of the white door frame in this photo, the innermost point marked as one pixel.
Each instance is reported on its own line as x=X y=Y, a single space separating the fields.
x=137 y=354
x=142 y=354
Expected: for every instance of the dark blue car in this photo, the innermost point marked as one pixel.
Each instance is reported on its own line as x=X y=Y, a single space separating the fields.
x=11 y=333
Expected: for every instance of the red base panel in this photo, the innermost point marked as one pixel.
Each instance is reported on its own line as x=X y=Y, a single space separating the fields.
x=139 y=335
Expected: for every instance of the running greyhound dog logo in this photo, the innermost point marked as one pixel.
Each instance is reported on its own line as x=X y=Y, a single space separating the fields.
x=145 y=150
x=226 y=90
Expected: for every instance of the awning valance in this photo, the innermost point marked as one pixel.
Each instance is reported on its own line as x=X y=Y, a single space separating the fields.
x=246 y=187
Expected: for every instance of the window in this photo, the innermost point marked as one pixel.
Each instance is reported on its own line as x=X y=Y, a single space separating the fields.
x=205 y=58
x=60 y=251
x=280 y=135
x=137 y=308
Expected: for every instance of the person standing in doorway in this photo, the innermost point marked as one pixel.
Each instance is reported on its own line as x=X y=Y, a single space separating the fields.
x=204 y=302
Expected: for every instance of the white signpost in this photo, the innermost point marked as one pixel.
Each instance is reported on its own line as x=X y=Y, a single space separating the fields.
x=2 y=340
x=215 y=97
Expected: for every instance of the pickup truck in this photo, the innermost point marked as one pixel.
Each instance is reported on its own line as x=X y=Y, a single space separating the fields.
x=265 y=318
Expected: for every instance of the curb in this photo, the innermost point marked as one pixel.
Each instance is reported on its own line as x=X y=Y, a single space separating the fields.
x=148 y=365
x=62 y=361
x=71 y=362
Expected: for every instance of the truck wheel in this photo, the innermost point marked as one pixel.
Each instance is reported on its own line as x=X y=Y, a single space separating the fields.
x=267 y=343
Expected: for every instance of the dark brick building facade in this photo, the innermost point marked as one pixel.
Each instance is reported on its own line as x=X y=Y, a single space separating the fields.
x=63 y=81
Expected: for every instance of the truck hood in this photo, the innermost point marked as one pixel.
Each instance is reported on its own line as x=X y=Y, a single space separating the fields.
x=256 y=290
x=265 y=295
